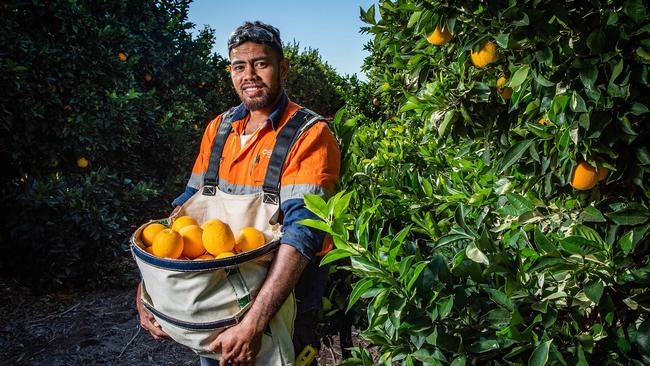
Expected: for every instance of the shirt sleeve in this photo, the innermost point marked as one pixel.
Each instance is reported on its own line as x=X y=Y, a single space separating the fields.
x=200 y=164
x=312 y=168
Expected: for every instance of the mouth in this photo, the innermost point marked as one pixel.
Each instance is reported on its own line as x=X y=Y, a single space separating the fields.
x=252 y=90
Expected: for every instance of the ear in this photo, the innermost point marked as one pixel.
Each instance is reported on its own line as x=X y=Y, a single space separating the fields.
x=284 y=68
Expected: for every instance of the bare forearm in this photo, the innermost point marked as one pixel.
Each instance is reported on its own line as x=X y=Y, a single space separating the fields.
x=281 y=279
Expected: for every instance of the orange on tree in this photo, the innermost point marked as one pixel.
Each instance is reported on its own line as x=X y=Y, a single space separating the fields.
x=205 y=256
x=439 y=36
x=192 y=241
x=504 y=91
x=82 y=162
x=122 y=56
x=224 y=255
x=487 y=54
x=181 y=222
x=542 y=121
x=217 y=237
x=247 y=239
x=586 y=177
x=167 y=244
x=149 y=232
x=148 y=77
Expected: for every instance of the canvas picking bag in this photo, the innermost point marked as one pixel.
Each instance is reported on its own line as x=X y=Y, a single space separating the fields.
x=194 y=300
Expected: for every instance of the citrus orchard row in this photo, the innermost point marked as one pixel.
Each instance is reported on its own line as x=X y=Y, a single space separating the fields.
x=186 y=239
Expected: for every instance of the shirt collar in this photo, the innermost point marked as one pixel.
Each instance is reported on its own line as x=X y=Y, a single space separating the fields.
x=275 y=117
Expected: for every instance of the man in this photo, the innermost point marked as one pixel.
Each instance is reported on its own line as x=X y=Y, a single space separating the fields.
x=258 y=68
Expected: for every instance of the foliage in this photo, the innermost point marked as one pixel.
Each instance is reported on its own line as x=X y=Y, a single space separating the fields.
x=312 y=82
x=468 y=243
x=120 y=83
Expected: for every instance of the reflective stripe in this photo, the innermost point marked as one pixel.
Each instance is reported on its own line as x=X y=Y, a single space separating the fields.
x=195 y=180
x=300 y=190
x=237 y=189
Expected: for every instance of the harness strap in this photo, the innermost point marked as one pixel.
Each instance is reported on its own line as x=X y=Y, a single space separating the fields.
x=288 y=135
x=211 y=177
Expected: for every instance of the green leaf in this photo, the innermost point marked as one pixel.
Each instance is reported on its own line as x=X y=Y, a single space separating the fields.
x=638 y=109
x=626 y=242
x=591 y=214
x=416 y=274
x=476 y=254
x=502 y=40
x=445 y=305
x=414 y=19
x=514 y=154
x=359 y=289
x=596 y=41
x=540 y=354
x=635 y=10
x=629 y=216
x=500 y=298
x=594 y=290
x=317 y=205
x=334 y=255
x=341 y=204
x=521 y=203
x=577 y=103
x=520 y=76
x=459 y=361
x=317 y=224
x=450 y=119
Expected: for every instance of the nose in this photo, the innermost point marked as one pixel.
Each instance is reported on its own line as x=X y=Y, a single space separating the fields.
x=250 y=72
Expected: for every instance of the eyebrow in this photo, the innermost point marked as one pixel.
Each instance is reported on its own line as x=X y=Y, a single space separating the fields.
x=237 y=62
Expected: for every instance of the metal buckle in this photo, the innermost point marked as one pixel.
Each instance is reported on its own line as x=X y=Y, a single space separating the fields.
x=271 y=198
x=209 y=190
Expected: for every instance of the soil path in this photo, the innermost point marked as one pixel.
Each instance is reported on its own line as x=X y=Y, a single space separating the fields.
x=97 y=328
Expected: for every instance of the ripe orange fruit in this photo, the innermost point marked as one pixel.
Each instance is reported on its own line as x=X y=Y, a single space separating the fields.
x=542 y=121
x=504 y=92
x=82 y=162
x=122 y=56
x=440 y=36
x=487 y=54
x=248 y=238
x=148 y=77
x=204 y=257
x=217 y=237
x=602 y=173
x=181 y=222
x=167 y=244
x=192 y=242
x=585 y=176
x=149 y=232
x=224 y=255
x=149 y=250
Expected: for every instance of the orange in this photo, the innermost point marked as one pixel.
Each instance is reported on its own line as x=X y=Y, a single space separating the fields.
x=487 y=54
x=440 y=36
x=148 y=77
x=542 y=121
x=204 y=257
x=217 y=237
x=122 y=56
x=192 y=242
x=602 y=173
x=247 y=239
x=148 y=250
x=181 y=222
x=224 y=255
x=504 y=92
x=585 y=176
x=82 y=162
x=167 y=244
x=150 y=232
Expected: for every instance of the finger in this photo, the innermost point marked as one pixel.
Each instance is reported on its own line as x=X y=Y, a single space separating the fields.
x=215 y=346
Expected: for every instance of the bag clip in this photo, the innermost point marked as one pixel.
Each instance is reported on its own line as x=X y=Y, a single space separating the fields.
x=271 y=198
x=209 y=190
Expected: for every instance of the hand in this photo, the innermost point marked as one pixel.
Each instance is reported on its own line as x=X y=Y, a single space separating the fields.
x=147 y=321
x=175 y=211
x=238 y=345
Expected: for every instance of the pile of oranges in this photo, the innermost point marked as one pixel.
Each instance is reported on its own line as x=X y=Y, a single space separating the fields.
x=187 y=240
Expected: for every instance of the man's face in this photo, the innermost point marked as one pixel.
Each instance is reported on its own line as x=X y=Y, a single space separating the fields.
x=257 y=74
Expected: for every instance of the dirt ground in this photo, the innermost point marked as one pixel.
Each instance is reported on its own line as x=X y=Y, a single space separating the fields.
x=94 y=328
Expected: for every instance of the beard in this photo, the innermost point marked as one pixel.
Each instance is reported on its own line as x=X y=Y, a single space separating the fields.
x=267 y=97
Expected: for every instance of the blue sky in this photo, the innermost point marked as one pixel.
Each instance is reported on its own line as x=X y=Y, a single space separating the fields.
x=330 y=26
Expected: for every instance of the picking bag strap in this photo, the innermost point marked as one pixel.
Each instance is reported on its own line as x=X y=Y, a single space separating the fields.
x=288 y=135
x=211 y=177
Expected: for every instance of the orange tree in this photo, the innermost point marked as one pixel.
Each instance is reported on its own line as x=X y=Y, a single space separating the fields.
x=498 y=211
x=103 y=105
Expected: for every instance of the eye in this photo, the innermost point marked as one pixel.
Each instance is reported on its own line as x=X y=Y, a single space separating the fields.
x=238 y=68
x=260 y=64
